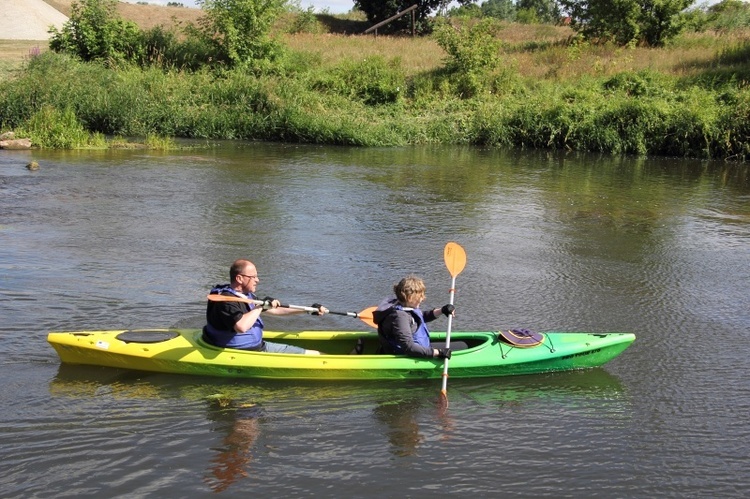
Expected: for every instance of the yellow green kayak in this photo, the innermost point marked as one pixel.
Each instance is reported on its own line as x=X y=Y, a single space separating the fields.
x=347 y=355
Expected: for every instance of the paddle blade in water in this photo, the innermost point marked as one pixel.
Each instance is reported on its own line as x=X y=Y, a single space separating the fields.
x=442 y=402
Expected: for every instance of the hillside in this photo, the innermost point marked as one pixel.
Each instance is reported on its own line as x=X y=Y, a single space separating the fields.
x=145 y=16
x=19 y=40
x=37 y=17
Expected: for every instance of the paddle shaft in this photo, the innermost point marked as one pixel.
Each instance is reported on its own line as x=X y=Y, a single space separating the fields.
x=365 y=315
x=448 y=337
x=455 y=261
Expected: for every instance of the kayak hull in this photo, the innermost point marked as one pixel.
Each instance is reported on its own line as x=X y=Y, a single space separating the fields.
x=182 y=351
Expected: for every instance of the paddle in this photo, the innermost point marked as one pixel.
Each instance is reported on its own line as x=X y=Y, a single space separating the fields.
x=455 y=260
x=365 y=315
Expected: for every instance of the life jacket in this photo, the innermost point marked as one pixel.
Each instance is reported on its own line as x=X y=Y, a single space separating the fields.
x=252 y=339
x=421 y=335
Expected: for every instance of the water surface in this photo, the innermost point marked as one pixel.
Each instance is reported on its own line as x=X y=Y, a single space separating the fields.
x=126 y=239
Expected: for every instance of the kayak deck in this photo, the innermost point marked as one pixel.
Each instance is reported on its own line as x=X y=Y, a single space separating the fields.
x=183 y=351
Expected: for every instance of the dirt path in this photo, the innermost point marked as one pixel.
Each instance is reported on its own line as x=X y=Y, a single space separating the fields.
x=28 y=19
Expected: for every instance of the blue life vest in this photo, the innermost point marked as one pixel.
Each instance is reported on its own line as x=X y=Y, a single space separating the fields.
x=422 y=334
x=252 y=339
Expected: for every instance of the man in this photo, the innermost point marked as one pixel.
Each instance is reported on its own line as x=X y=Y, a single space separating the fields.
x=237 y=324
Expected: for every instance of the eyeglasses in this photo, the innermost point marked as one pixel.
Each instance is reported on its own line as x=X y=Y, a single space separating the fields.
x=249 y=276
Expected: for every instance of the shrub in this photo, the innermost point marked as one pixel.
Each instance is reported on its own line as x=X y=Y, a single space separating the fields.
x=473 y=52
x=56 y=129
x=639 y=84
x=95 y=33
x=374 y=81
x=240 y=31
x=305 y=21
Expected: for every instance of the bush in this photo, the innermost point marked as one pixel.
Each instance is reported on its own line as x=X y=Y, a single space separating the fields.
x=374 y=81
x=57 y=129
x=305 y=21
x=473 y=52
x=640 y=84
x=627 y=22
x=95 y=33
x=240 y=31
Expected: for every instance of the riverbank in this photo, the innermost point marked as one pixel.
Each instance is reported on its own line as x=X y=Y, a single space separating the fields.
x=688 y=99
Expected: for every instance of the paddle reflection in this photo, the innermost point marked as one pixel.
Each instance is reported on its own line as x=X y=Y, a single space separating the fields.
x=241 y=423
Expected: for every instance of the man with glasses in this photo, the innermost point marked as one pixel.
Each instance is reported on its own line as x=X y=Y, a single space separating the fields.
x=239 y=325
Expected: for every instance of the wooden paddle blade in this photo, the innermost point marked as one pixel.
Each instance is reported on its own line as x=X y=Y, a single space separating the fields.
x=366 y=316
x=215 y=297
x=455 y=258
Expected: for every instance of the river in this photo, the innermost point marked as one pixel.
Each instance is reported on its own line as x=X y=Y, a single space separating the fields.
x=130 y=238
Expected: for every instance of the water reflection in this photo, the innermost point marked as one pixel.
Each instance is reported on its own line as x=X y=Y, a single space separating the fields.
x=401 y=424
x=401 y=419
x=241 y=423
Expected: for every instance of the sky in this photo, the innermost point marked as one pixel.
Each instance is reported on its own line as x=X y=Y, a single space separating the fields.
x=333 y=6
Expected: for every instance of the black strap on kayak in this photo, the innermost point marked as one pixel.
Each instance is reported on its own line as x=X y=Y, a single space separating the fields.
x=522 y=338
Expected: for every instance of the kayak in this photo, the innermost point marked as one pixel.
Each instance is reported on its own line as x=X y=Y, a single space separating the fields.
x=347 y=355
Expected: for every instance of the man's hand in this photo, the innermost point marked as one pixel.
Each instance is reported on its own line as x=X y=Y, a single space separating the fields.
x=269 y=303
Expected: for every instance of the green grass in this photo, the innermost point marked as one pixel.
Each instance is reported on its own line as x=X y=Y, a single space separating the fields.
x=688 y=99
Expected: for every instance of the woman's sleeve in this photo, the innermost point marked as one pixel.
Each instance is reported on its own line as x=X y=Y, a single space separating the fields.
x=430 y=316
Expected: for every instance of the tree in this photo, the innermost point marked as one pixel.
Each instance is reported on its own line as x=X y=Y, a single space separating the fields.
x=627 y=21
x=500 y=9
x=94 y=32
x=380 y=10
x=662 y=20
x=471 y=10
x=538 y=11
x=240 y=30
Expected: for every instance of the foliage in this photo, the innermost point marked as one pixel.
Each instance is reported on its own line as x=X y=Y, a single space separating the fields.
x=524 y=11
x=359 y=91
x=538 y=11
x=374 y=81
x=500 y=9
x=239 y=30
x=305 y=21
x=627 y=22
x=94 y=32
x=466 y=10
x=638 y=84
x=724 y=16
x=380 y=10
x=54 y=128
x=473 y=51
x=167 y=49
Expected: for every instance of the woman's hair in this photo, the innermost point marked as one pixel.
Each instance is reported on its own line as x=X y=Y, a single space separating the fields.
x=407 y=287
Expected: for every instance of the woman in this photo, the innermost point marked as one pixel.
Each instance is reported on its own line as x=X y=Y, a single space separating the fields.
x=402 y=326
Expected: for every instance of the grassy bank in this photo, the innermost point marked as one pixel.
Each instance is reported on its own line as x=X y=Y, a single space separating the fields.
x=688 y=99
